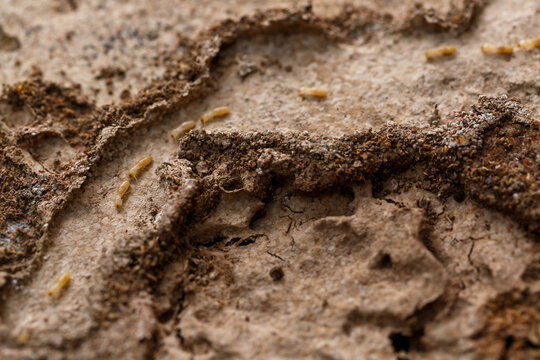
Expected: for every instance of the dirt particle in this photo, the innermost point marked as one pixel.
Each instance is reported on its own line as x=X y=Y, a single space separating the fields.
x=8 y=42
x=125 y=95
x=276 y=273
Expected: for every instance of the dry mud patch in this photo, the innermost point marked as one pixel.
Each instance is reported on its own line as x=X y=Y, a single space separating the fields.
x=395 y=219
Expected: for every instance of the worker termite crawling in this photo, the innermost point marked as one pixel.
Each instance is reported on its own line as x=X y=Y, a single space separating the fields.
x=215 y=113
x=122 y=190
x=58 y=288
x=23 y=337
x=317 y=92
x=440 y=52
x=182 y=129
x=141 y=165
x=529 y=44
x=490 y=49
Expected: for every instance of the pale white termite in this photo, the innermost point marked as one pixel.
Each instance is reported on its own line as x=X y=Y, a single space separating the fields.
x=23 y=337
x=529 y=44
x=317 y=92
x=439 y=52
x=215 y=113
x=120 y=192
x=61 y=284
x=139 y=166
x=182 y=129
x=490 y=49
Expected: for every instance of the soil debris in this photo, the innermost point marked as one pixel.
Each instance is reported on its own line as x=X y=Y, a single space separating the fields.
x=276 y=273
x=457 y=21
x=7 y=42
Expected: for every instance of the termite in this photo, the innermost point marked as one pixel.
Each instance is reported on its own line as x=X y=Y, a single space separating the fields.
x=317 y=92
x=529 y=44
x=182 y=129
x=215 y=113
x=139 y=166
x=122 y=190
x=23 y=337
x=439 y=52
x=58 y=288
x=490 y=49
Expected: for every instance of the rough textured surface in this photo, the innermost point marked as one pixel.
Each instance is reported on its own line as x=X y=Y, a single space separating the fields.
x=397 y=218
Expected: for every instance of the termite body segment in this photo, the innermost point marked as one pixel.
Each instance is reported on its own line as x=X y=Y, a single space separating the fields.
x=58 y=288
x=182 y=129
x=141 y=165
x=490 y=49
x=440 y=52
x=317 y=92
x=529 y=44
x=215 y=113
x=122 y=190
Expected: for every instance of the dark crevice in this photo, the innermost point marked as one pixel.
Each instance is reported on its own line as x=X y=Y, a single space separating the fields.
x=215 y=241
x=460 y=195
x=232 y=184
x=426 y=234
x=348 y=193
x=400 y=342
x=258 y=215
x=532 y=271
x=508 y=341
x=248 y=240
x=382 y=261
